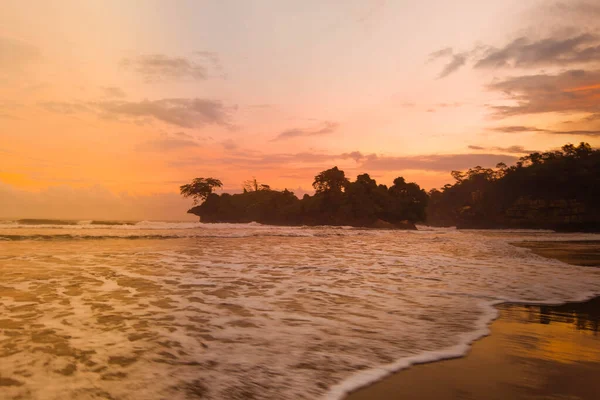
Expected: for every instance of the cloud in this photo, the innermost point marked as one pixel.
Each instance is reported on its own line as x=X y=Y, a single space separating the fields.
x=580 y=9
x=327 y=127
x=456 y=61
x=213 y=58
x=183 y=135
x=229 y=144
x=375 y=8
x=524 y=53
x=435 y=162
x=167 y=144
x=365 y=162
x=355 y=155
x=577 y=133
x=569 y=91
x=511 y=149
x=516 y=129
x=114 y=92
x=519 y=129
x=157 y=67
x=61 y=107
x=182 y=112
x=16 y=54
x=442 y=53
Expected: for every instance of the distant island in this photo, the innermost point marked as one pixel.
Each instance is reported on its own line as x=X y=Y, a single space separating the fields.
x=557 y=190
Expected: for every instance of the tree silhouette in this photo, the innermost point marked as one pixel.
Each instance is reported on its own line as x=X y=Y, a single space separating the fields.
x=332 y=180
x=252 y=185
x=200 y=188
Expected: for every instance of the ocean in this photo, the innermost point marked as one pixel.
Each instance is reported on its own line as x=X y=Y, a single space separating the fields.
x=156 y=310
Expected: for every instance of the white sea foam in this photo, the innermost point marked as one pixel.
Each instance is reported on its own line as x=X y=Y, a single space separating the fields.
x=234 y=311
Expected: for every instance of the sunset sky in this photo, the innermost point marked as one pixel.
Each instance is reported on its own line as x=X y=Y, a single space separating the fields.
x=107 y=106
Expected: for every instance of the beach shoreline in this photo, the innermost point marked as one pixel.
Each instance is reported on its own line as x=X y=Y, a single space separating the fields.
x=497 y=364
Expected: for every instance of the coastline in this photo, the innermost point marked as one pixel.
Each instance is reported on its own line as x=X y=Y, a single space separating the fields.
x=517 y=339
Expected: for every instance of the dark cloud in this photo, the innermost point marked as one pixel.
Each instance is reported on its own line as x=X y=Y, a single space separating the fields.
x=569 y=91
x=114 y=92
x=186 y=113
x=182 y=112
x=183 y=135
x=167 y=144
x=456 y=61
x=435 y=162
x=156 y=67
x=365 y=162
x=593 y=117
x=514 y=149
x=328 y=127
x=229 y=144
x=577 y=132
x=511 y=149
x=524 y=53
x=520 y=129
x=442 y=53
x=516 y=129
x=355 y=155
x=573 y=8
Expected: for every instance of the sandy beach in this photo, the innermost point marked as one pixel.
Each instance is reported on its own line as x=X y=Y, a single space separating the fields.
x=533 y=351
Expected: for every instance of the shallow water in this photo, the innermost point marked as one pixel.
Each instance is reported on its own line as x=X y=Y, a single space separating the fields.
x=183 y=311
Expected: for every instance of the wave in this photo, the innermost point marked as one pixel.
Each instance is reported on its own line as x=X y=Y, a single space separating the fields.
x=203 y=234
x=34 y=221
x=459 y=350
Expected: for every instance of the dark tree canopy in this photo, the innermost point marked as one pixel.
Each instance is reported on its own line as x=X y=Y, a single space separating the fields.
x=252 y=185
x=200 y=188
x=551 y=190
x=337 y=201
x=332 y=180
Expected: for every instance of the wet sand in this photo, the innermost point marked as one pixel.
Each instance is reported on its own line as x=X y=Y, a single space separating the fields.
x=586 y=253
x=533 y=352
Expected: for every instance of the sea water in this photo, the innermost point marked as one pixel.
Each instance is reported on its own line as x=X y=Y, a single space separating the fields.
x=157 y=310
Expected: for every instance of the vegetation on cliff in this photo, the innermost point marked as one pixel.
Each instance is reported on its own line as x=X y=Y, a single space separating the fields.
x=337 y=201
x=552 y=190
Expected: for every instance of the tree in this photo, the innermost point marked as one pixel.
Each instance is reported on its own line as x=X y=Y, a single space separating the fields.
x=332 y=180
x=252 y=185
x=200 y=188
x=409 y=201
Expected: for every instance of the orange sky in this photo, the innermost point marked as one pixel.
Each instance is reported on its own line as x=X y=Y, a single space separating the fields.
x=106 y=107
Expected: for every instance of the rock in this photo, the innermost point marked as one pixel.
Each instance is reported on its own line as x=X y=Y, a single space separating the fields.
x=407 y=225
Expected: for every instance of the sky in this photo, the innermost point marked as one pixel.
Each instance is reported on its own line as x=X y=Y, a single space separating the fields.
x=108 y=106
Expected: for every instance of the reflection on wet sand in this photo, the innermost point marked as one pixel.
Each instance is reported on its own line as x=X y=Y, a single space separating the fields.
x=533 y=352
